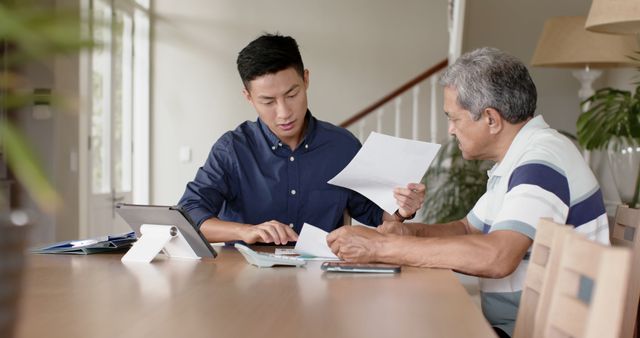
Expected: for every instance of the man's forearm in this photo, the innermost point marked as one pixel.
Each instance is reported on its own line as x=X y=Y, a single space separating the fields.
x=216 y=230
x=454 y=228
x=387 y=217
x=472 y=254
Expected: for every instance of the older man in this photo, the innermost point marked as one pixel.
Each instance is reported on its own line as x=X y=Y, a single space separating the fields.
x=490 y=100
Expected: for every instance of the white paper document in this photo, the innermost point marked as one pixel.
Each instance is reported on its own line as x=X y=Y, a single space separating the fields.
x=383 y=164
x=312 y=241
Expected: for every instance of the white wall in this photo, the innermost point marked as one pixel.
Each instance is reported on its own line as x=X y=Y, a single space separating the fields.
x=356 y=51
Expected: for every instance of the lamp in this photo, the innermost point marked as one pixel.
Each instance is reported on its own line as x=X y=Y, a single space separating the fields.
x=565 y=43
x=614 y=16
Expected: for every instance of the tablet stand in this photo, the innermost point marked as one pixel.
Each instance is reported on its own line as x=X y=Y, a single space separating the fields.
x=155 y=238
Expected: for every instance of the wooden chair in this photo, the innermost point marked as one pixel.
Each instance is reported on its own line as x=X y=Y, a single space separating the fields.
x=541 y=275
x=589 y=294
x=625 y=233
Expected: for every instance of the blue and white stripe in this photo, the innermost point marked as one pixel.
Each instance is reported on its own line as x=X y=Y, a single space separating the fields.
x=542 y=175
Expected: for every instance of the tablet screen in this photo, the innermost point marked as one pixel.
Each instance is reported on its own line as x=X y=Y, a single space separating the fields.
x=136 y=215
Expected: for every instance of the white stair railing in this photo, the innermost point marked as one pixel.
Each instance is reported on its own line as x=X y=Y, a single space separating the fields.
x=423 y=121
x=415 y=112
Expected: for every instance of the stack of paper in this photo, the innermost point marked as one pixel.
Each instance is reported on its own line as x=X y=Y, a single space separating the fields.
x=90 y=246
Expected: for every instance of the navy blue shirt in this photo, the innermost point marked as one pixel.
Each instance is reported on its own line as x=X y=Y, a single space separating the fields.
x=251 y=177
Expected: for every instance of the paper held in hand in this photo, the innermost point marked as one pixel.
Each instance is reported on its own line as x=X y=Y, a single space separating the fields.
x=312 y=242
x=383 y=164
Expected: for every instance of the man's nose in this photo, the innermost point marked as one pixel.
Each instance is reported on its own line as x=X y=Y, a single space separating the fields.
x=450 y=129
x=283 y=110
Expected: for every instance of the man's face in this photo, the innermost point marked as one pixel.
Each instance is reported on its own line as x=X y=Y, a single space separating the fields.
x=473 y=136
x=281 y=102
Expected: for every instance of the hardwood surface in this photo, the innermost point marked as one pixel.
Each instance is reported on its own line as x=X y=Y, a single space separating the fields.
x=99 y=296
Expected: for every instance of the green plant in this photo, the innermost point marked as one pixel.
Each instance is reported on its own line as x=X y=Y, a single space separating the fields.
x=454 y=185
x=613 y=116
x=30 y=32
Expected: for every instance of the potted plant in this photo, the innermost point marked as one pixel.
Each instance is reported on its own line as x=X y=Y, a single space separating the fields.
x=29 y=32
x=454 y=185
x=612 y=123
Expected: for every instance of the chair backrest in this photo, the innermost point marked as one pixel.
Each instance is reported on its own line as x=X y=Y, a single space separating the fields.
x=589 y=294
x=626 y=232
x=541 y=274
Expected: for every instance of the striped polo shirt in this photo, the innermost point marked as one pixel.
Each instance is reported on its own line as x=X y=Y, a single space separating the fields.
x=542 y=175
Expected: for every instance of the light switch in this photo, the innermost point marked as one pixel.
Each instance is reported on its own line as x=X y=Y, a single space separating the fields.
x=185 y=154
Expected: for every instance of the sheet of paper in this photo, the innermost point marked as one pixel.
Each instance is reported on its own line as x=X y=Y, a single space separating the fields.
x=312 y=241
x=292 y=253
x=383 y=164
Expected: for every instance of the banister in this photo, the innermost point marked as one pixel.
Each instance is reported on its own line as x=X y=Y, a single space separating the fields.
x=371 y=108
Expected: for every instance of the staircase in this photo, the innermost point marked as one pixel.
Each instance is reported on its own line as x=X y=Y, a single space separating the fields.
x=420 y=119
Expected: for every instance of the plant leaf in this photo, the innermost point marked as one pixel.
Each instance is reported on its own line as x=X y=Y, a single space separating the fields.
x=23 y=163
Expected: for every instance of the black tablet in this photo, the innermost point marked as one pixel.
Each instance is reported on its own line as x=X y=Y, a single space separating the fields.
x=360 y=267
x=136 y=215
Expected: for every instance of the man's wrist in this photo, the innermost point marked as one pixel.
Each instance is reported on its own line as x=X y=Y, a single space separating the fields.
x=401 y=218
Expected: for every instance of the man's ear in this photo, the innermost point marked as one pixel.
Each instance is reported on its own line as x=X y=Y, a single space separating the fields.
x=246 y=94
x=305 y=77
x=494 y=120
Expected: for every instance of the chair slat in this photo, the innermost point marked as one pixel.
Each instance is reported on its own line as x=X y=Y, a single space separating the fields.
x=628 y=220
x=541 y=271
x=601 y=316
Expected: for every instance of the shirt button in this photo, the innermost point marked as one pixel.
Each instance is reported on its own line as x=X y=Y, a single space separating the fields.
x=293 y=192
x=291 y=225
x=273 y=148
x=291 y=159
x=306 y=146
x=280 y=144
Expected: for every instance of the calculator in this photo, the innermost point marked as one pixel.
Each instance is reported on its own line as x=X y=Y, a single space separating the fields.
x=267 y=260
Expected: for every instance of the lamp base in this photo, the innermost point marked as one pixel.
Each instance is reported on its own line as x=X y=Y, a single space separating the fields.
x=586 y=77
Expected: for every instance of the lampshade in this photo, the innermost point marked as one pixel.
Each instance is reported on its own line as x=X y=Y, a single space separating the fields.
x=614 y=16
x=565 y=43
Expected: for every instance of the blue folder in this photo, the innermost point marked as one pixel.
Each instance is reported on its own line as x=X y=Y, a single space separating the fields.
x=89 y=246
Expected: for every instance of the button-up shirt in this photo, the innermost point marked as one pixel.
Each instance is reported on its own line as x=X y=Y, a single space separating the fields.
x=252 y=177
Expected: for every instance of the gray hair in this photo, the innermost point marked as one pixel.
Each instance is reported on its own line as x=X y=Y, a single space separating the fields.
x=490 y=78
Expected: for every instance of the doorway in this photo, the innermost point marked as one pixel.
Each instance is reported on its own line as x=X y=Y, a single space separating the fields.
x=117 y=126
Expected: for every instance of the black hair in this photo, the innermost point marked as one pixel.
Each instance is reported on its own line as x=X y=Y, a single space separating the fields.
x=269 y=54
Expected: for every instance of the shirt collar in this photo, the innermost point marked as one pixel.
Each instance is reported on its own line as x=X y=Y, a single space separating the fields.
x=275 y=142
x=519 y=142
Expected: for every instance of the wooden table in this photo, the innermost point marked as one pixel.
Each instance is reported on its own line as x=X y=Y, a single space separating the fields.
x=99 y=296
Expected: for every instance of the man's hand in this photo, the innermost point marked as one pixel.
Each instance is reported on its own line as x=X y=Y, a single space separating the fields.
x=409 y=199
x=355 y=243
x=270 y=232
x=397 y=228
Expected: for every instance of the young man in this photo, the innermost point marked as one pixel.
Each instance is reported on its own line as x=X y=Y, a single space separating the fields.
x=490 y=100
x=266 y=178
